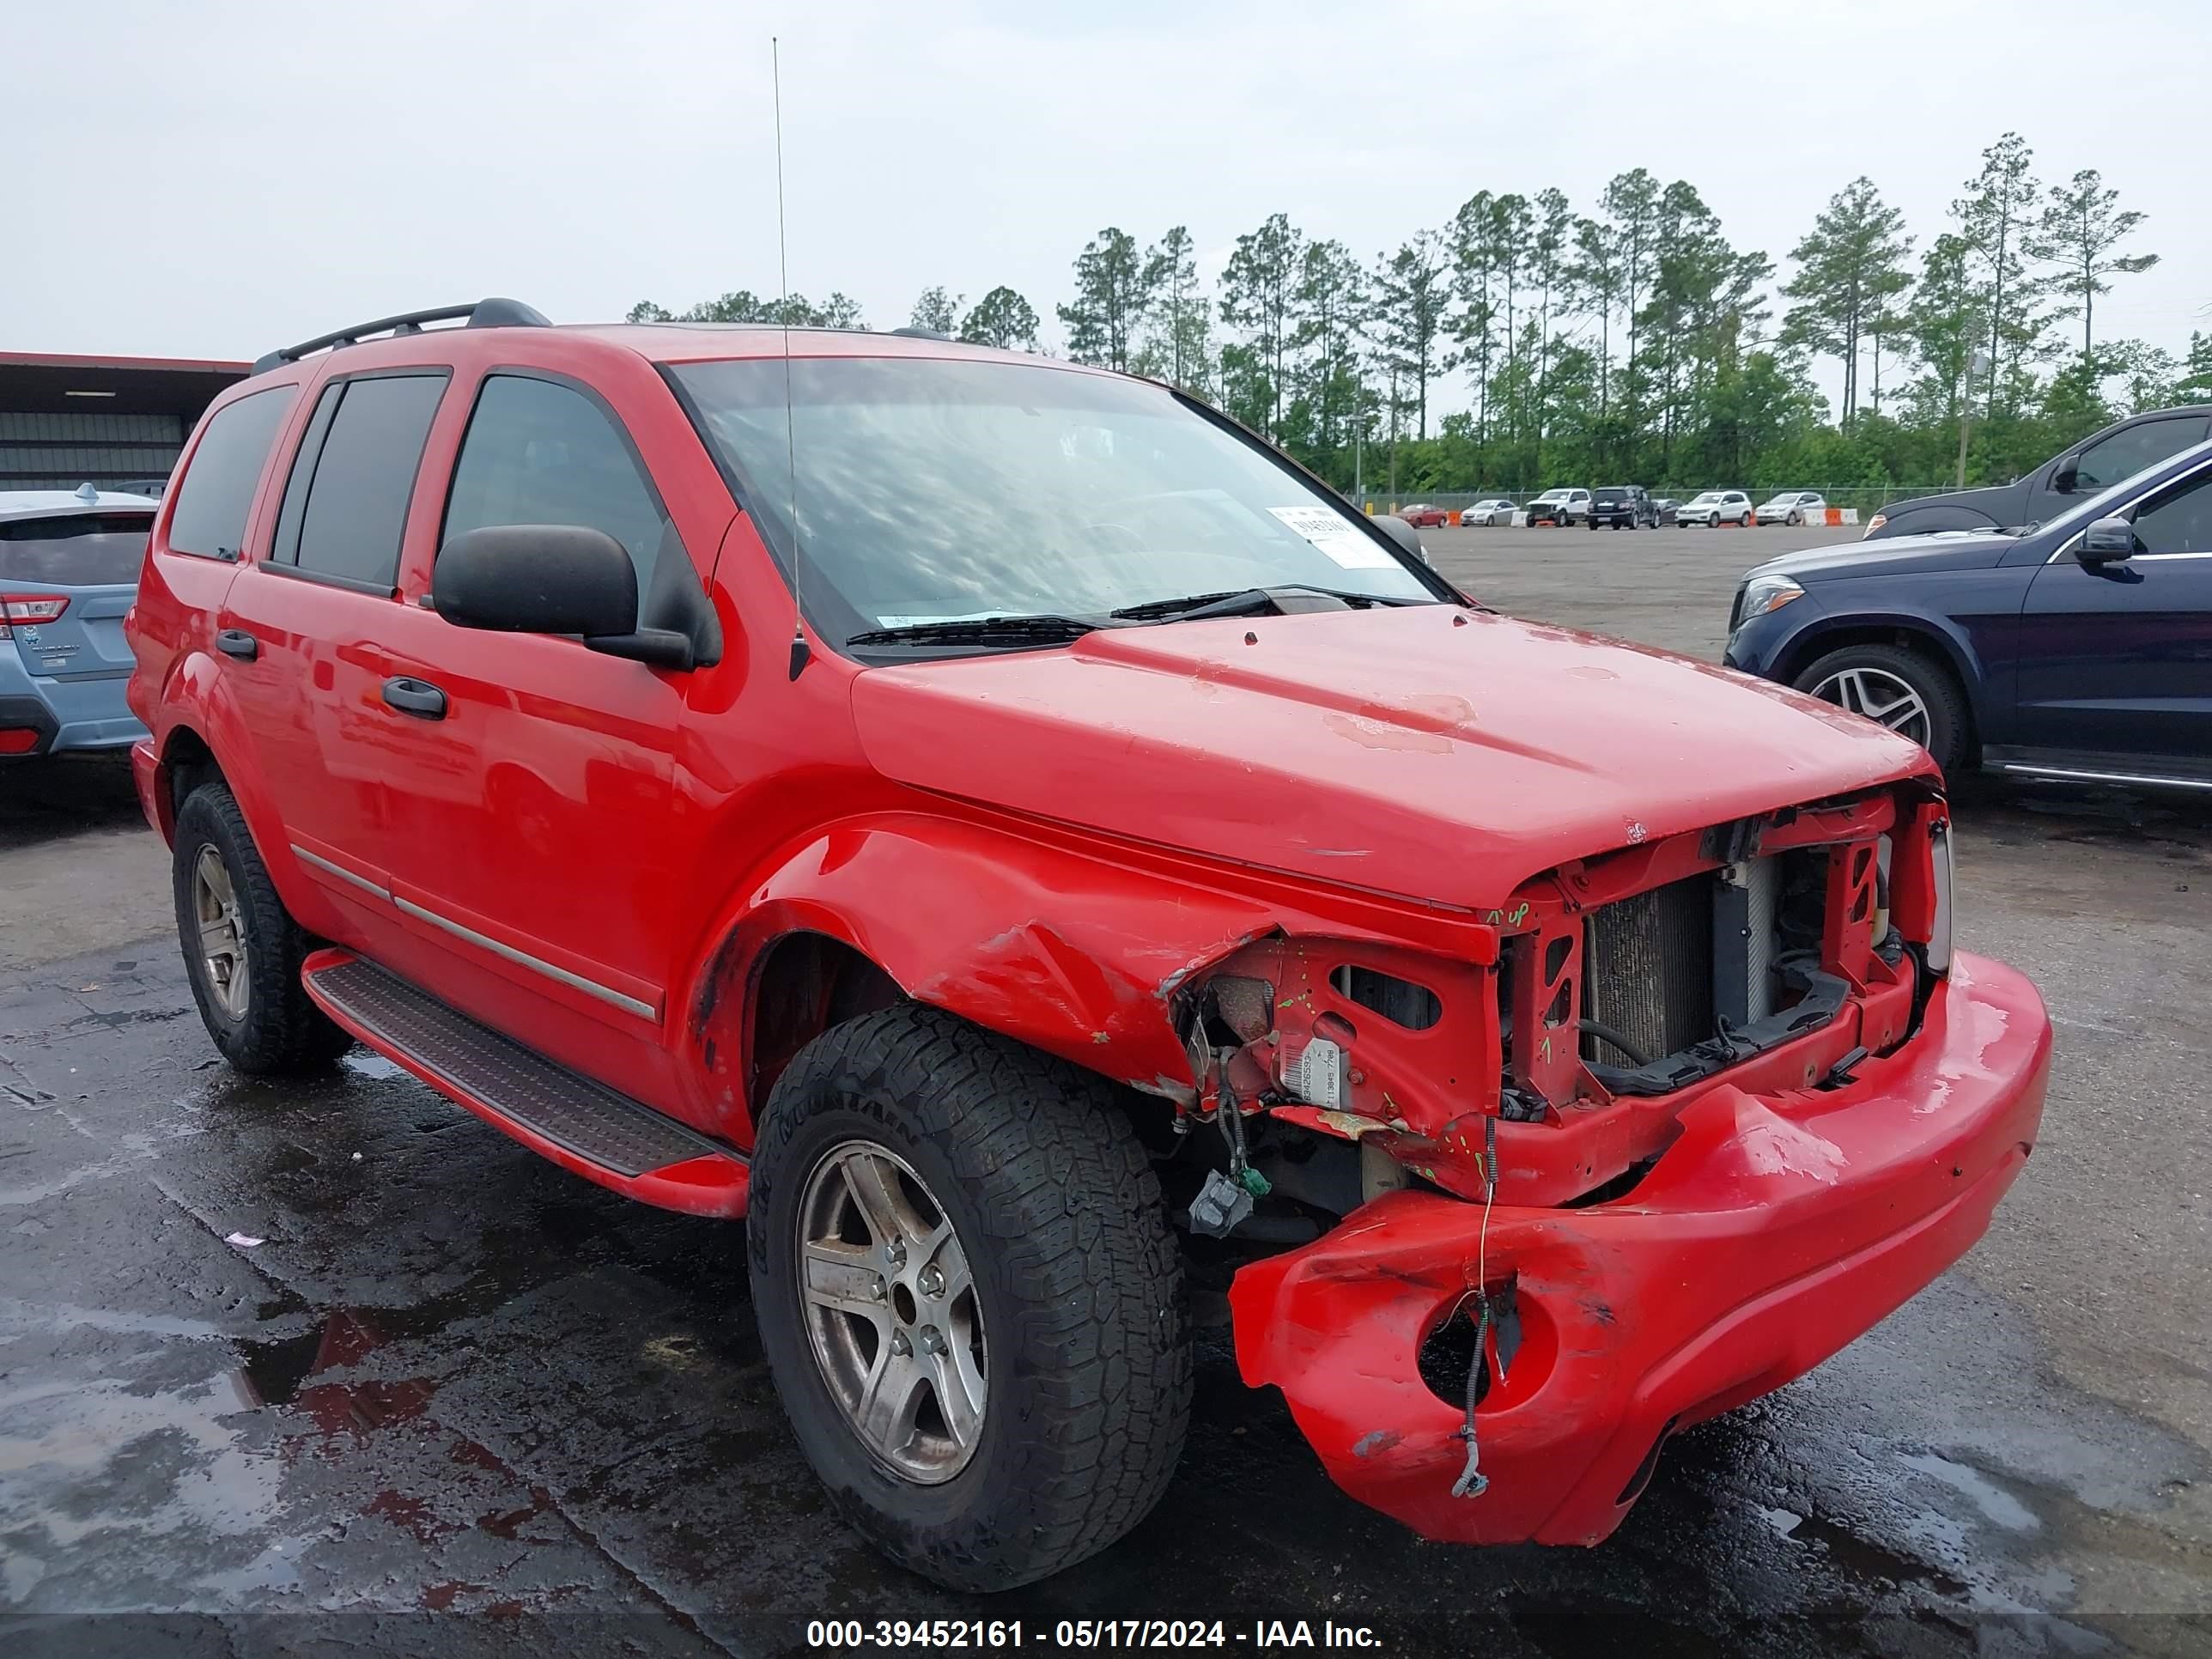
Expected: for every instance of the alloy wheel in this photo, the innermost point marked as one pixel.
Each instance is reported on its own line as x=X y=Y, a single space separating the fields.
x=1881 y=696
x=892 y=1312
x=222 y=932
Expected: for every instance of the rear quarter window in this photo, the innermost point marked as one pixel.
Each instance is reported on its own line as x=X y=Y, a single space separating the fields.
x=208 y=519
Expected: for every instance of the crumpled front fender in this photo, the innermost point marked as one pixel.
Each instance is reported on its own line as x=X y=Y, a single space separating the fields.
x=1774 y=1231
x=1055 y=948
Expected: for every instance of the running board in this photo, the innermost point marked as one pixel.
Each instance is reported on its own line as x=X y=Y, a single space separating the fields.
x=585 y=1127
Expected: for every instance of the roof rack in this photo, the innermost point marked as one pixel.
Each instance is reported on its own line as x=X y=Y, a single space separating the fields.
x=913 y=333
x=484 y=313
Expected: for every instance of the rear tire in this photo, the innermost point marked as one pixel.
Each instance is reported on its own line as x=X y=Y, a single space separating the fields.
x=242 y=949
x=1072 y=1317
x=1866 y=678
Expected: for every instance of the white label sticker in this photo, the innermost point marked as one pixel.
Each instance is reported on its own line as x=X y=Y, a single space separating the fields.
x=1338 y=541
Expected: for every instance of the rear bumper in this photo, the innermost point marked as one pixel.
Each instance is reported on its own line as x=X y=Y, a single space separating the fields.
x=69 y=714
x=1773 y=1231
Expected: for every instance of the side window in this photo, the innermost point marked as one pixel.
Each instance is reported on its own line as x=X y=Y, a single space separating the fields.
x=2178 y=519
x=209 y=517
x=2126 y=454
x=537 y=452
x=285 y=548
x=361 y=478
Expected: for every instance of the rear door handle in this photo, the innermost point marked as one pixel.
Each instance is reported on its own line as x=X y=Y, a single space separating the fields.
x=417 y=698
x=237 y=642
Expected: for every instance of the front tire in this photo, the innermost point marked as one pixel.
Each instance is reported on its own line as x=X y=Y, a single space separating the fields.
x=242 y=949
x=1911 y=693
x=1030 y=1334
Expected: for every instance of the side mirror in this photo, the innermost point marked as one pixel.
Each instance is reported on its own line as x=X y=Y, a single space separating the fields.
x=1404 y=534
x=2106 y=541
x=536 y=579
x=2066 y=474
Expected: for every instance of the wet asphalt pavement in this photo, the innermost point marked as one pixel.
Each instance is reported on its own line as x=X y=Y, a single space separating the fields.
x=451 y=1380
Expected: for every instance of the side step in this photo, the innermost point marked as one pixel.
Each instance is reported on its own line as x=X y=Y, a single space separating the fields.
x=585 y=1127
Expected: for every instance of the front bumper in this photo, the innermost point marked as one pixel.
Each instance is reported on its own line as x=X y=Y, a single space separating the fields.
x=1774 y=1231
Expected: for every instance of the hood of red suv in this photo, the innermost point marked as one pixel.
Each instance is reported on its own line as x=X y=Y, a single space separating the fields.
x=1429 y=751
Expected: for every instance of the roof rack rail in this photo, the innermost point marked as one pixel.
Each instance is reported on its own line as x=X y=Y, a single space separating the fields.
x=484 y=313
x=913 y=333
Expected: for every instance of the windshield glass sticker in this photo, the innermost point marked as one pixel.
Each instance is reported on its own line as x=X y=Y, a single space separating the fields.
x=1336 y=540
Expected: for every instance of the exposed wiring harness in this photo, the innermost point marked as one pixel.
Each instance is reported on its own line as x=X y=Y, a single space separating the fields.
x=1473 y=1482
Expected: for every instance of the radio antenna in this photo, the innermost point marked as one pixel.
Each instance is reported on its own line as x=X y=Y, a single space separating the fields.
x=799 y=651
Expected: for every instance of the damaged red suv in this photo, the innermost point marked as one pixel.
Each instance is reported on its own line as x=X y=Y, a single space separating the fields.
x=1123 y=839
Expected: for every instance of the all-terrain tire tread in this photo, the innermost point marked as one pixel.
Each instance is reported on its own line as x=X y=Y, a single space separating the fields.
x=1073 y=1214
x=283 y=1032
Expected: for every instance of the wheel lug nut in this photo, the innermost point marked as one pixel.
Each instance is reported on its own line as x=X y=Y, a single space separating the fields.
x=931 y=1341
x=933 y=1281
x=879 y=1289
x=895 y=1253
x=900 y=1345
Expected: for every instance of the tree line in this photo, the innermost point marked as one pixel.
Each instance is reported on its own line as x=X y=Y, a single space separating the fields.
x=1631 y=341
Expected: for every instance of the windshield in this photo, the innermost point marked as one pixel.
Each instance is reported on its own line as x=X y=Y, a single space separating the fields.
x=84 y=550
x=930 y=490
x=1705 y=499
x=1554 y=495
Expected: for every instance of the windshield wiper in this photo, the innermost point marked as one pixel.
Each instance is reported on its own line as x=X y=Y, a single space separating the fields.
x=1244 y=601
x=983 y=630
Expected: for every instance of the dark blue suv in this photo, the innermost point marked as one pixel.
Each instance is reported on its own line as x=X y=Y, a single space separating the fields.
x=2080 y=649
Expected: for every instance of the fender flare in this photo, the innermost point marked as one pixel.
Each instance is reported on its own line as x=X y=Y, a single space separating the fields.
x=1952 y=645
x=195 y=700
x=1056 y=949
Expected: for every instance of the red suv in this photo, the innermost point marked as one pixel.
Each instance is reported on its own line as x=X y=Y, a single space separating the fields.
x=1123 y=839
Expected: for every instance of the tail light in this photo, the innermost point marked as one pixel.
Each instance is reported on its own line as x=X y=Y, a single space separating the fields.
x=29 y=607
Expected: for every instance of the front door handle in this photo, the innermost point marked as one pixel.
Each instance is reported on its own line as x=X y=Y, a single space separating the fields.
x=417 y=698
x=237 y=642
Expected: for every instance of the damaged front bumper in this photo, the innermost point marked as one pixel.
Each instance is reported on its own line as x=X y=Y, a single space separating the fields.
x=1772 y=1230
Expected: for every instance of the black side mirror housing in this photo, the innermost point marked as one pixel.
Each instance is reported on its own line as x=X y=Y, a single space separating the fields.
x=1407 y=537
x=536 y=579
x=2065 y=474
x=2106 y=541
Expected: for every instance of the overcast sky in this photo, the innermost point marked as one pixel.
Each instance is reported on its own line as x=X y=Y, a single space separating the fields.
x=218 y=179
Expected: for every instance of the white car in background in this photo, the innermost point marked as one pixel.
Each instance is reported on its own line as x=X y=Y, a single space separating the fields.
x=1715 y=507
x=1792 y=507
x=1561 y=507
x=1495 y=509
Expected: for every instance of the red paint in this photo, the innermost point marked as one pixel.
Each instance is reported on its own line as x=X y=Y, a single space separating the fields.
x=1775 y=1230
x=1065 y=845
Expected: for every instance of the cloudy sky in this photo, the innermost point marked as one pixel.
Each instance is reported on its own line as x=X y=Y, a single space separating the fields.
x=218 y=179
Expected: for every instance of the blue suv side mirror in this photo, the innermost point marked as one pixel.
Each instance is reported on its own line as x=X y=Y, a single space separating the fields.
x=2106 y=541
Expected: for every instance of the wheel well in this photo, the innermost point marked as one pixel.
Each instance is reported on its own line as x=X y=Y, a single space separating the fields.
x=186 y=763
x=804 y=984
x=1919 y=642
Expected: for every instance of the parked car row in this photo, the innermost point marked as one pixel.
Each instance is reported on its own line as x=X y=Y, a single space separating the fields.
x=1628 y=507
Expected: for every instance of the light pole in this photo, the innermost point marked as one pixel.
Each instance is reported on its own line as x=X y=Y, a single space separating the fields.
x=1978 y=362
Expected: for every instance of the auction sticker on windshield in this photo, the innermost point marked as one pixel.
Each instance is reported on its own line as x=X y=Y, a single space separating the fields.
x=1336 y=539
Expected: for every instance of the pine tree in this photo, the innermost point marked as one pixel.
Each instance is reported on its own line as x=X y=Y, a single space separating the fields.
x=937 y=311
x=1002 y=319
x=1850 y=266
x=2082 y=229
x=1999 y=225
x=1256 y=292
x=1112 y=294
